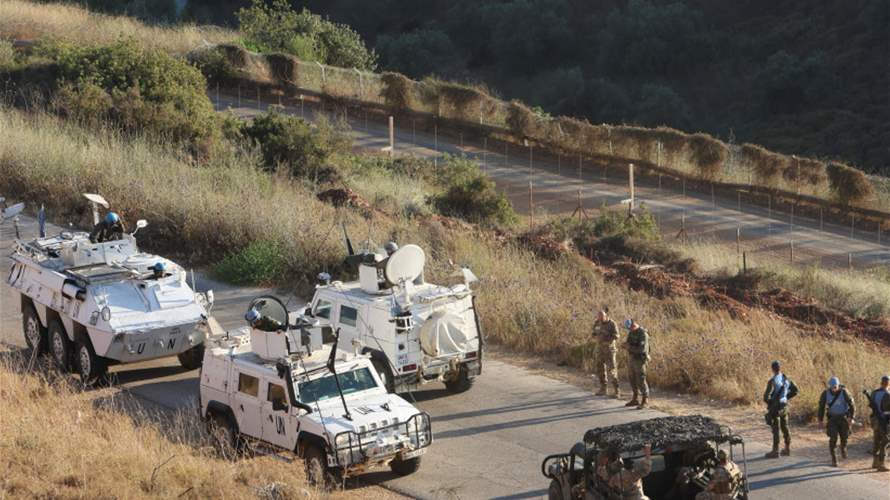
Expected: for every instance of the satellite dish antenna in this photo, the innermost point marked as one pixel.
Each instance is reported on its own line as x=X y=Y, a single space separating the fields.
x=96 y=198
x=405 y=264
x=10 y=212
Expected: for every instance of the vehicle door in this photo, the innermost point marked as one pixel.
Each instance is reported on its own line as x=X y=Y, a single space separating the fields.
x=246 y=402
x=279 y=427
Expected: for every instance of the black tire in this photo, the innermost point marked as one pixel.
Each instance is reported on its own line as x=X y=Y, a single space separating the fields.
x=224 y=433
x=193 y=358
x=60 y=348
x=462 y=383
x=90 y=367
x=385 y=373
x=554 y=492
x=405 y=467
x=34 y=332
x=317 y=471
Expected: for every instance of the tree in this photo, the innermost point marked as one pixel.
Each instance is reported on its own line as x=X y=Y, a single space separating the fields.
x=660 y=105
x=418 y=53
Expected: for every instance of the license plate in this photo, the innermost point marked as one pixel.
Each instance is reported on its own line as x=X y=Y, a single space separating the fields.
x=413 y=453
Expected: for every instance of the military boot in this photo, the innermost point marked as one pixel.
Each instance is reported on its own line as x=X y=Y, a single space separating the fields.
x=882 y=467
x=602 y=391
x=875 y=463
x=774 y=453
x=833 y=457
x=617 y=394
x=844 y=452
x=786 y=451
x=633 y=402
x=644 y=403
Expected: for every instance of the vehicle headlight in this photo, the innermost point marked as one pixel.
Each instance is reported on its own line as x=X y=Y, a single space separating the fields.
x=342 y=441
x=106 y=313
x=209 y=296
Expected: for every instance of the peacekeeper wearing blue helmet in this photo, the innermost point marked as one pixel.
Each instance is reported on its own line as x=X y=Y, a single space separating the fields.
x=108 y=229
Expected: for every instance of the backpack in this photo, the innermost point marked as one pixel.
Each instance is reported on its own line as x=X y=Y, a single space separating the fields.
x=792 y=389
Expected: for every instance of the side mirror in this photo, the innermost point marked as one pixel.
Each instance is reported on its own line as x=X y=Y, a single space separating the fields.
x=279 y=405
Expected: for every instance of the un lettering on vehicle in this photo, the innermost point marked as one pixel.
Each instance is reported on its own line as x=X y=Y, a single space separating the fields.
x=403 y=359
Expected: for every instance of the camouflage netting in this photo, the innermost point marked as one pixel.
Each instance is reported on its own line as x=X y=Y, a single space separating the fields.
x=664 y=432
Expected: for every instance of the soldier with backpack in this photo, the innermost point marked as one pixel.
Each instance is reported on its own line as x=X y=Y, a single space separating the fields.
x=840 y=407
x=779 y=390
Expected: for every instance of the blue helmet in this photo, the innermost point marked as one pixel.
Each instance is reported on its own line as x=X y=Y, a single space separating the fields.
x=628 y=323
x=159 y=267
x=252 y=315
x=112 y=218
x=834 y=382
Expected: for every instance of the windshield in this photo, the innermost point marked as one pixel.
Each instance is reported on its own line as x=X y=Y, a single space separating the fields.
x=324 y=388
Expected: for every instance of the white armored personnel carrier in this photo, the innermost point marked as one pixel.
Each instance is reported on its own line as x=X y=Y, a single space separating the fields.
x=94 y=304
x=415 y=332
x=273 y=385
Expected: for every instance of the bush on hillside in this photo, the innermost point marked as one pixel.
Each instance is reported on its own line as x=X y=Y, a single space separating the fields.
x=139 y=89
x=848 y=184
x=214 y=64
x=708 y=154
x=397 y=91
x=766 y=165
x=470 y=195
x=803 y=171
x=460 y=102
x=276 y=27
x=259 y=263
x=521 y=119
x=292 y=145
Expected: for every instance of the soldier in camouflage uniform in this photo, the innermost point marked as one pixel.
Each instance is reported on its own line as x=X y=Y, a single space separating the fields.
x=637 y=345
x=880 y=400
x=779 y=390
x=605 y=332
x=840 y=407
x=724 y=480
x=629 y=483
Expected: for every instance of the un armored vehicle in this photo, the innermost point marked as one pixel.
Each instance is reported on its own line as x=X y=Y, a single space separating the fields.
x=273 y=385
x=684 y=459
x=91 y=305
x=415 y=332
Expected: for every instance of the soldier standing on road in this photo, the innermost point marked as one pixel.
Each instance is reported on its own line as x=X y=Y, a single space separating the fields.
x=880 y=409
x=841 y=410
x=637 y=345
x=605 y=331
x=779 y=390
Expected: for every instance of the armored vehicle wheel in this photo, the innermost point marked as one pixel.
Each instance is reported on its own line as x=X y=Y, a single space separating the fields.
x=35 y=333
x=192 y=359
x=405 y=467
x=90 y=367
x=554 y=492
x=224 y=434
x=317 y=470
x=460 y=384
x=59 y=346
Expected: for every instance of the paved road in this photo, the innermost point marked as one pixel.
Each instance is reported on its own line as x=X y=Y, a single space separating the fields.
x=489 y=442
x=556 y=184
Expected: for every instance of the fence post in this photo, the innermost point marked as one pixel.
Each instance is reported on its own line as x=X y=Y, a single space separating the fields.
x=792 y=250
x=531 y=207
x=745 y=262
x=630 y=181
x=259 y=106
x=738 y=239
x=392 y=137
x=792 y=217
x=579 y=167
x=852 y=225
x=850 y=261
x=239 y=96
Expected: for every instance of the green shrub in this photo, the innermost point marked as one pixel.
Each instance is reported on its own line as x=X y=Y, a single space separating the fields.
x=260 y=263
x=521 y=119
x=461 y=102
x=708 y=155
x=397 y=91
x=214 y=63
x=849 y=184
x=276 y=27
x=138 y=89
x=470 y=195
x=291 y=144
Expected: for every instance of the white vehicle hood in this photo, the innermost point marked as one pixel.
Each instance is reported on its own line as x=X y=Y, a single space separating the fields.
x=367 y=413
x=163 y=303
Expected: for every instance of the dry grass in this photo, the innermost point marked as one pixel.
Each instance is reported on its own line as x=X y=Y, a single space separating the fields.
x=22 y=20
x=59 y=442
x=527 y=303
x=860 y=293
